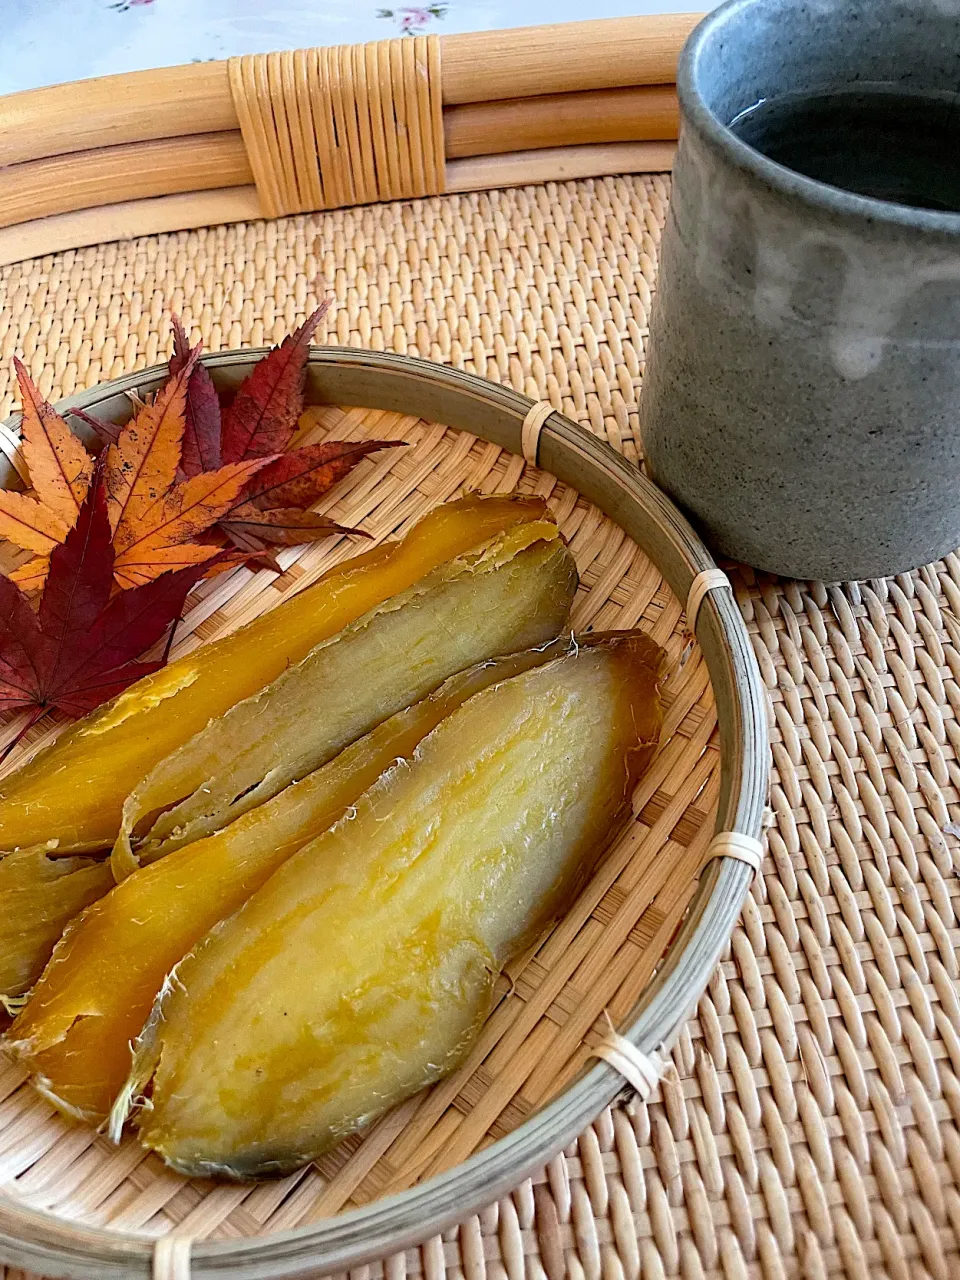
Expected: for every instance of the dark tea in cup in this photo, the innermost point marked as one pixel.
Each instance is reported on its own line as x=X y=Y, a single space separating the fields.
x=874 y=140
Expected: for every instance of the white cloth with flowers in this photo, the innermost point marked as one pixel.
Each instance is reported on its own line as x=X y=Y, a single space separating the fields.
x=51 y=41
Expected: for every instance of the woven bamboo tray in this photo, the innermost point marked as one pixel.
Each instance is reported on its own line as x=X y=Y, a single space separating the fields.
x=509 y=1108
x=810 y=1123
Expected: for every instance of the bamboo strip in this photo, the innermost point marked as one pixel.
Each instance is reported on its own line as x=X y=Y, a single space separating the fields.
x=361 y=121
x=185 y=212
x=638 y=114
x=604 y=53
x=559 y=164
x=127 y=220
x=112 y=110
x=176 y=101
x=133 y=171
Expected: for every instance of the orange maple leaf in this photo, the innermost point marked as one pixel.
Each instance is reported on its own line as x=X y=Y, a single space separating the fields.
x=60 y=470
x=32 y=574
x=156 y=523
x=152 y=519
x=60 y=467
x=141 y=466
x=162 y=538
x=29 y=524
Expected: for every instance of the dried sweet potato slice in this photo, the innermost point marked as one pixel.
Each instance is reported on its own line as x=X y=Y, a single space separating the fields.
x=363 y=968
x=95 y=994
x=69 y=797
x=37 y=894
x=73 y=792
x=513 y=593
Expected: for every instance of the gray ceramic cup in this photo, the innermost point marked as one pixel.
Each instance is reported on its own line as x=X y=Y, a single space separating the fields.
x=801 y=399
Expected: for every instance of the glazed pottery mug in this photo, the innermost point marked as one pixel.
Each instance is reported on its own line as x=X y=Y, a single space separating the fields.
x=801 y=399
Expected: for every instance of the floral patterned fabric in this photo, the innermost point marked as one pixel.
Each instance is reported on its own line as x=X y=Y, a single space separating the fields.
x=51 y=41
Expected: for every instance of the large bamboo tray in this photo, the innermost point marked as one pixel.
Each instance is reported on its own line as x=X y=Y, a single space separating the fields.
x=507 y=1110
x=265 y=135
x=808 y=1124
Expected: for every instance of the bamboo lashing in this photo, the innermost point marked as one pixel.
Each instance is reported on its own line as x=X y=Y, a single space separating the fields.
x=708 y=580
x=640 y=1070
x=171 y=1258
x=352 y=124
x=531 y=428
x=733 y=844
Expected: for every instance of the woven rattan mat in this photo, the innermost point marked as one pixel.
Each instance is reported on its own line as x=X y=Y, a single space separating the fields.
x=809 y=1125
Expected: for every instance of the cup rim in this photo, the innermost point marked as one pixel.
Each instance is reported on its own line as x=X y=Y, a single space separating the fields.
x=817 y=195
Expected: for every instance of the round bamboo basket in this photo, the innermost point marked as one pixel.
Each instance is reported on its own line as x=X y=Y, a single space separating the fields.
x=640 y=943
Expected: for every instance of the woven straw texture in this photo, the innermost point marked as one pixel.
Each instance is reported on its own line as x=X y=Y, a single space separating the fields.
x=808 y=1124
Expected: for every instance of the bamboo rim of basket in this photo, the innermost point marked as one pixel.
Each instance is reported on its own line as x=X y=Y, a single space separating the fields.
x=602 y=476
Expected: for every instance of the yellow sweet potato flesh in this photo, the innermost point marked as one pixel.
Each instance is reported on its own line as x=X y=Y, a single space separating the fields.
x=38 y=895
x=97 y=991
x=52 y=896
x=513 y=593
x=362 y=970
x=73 y=792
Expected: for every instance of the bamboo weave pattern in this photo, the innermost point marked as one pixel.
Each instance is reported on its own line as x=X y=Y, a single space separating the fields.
x=342 y=126
x=807 y=1125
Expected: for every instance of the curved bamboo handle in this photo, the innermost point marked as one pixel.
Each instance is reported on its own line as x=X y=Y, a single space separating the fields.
x=484 y=67
x=273 y=134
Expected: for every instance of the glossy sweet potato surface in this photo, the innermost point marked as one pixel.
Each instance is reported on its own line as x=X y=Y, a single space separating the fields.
x=363 y=968
x=512 y=593
x=98 y=988
x=73 y=792
x=37 y=895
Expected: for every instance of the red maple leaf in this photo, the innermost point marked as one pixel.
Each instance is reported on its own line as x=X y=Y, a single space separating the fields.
x=201 y=432
x=250 y=528
x=302 y=476
x=272 y=510
x=263 y=415
x=80 y=648
x=261 y=420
